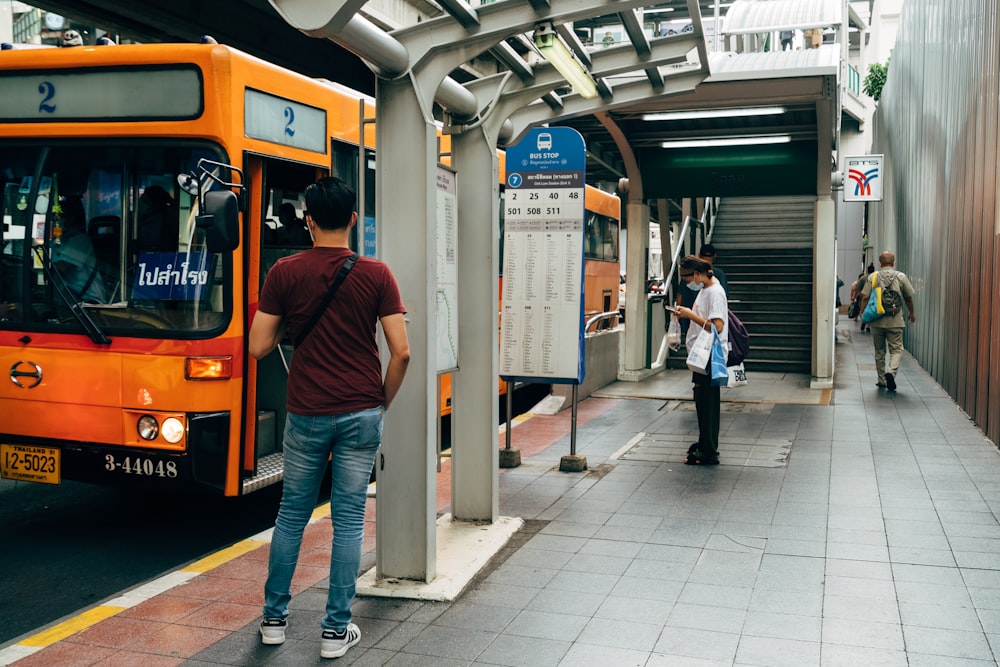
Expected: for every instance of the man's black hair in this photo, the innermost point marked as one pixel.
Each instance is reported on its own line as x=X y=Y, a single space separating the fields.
x=330 y=203
x=707 y=250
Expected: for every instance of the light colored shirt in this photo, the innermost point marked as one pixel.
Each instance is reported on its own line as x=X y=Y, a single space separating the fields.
x=711 y=304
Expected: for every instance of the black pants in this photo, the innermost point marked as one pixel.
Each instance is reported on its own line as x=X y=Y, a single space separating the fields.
x=708 y=403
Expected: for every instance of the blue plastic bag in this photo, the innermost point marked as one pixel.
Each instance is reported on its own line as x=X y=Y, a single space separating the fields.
x=719 y=374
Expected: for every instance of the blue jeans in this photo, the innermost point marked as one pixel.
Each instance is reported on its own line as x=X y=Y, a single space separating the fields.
x=349 y=441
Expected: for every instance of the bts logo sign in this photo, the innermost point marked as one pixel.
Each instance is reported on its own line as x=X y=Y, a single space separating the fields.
x=864 y=178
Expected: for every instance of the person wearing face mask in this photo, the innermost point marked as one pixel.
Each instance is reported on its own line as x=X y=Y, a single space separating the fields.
x=710 y=310
x=686 y=295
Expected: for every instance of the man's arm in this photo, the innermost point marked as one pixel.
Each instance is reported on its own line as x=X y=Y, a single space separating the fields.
x=394 y=329
x=909 y=306
x=266 y=332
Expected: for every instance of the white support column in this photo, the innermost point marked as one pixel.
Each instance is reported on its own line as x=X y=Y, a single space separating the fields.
x=475 y=412
x=406 y=544
x=637 y=235
x=824 y=271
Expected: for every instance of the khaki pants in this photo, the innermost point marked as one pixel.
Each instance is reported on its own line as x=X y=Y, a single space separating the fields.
x=894 y=339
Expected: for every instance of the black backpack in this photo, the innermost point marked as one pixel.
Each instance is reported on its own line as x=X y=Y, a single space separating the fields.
x=739 y=341
x=892 y=299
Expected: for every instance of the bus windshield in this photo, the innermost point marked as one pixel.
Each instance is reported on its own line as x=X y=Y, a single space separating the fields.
x=107 y=230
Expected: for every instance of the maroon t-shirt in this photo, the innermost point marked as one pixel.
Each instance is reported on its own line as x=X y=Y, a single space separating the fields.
x=336 y=369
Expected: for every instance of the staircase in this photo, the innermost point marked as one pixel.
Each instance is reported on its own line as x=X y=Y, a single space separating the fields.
x=764 y=245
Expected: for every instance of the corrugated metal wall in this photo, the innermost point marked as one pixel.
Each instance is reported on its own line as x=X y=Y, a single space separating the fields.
x=937 y=124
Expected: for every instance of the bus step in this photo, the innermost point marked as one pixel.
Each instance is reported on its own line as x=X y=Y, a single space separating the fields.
x=270 y=470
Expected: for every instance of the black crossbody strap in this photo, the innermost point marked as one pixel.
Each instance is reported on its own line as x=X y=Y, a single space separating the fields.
x=345 y=268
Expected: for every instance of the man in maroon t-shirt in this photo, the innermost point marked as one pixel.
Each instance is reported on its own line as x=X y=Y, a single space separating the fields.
x=336 y=399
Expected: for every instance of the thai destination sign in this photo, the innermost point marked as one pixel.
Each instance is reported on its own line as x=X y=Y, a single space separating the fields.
x=541 y=325
x=181 y=276
x=863 y=176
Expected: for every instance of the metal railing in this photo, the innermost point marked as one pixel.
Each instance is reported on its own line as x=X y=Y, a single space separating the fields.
x=693 y=234
x=613 y=314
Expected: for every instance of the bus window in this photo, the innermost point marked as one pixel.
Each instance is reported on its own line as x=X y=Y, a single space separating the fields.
x=601 y=238
x=107 y=227
x=283 y=225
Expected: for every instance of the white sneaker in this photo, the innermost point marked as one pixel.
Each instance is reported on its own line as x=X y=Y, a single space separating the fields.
x=272 y=631
x=334 y=644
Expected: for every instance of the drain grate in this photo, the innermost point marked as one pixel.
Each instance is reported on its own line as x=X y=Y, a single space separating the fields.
x=733 y=451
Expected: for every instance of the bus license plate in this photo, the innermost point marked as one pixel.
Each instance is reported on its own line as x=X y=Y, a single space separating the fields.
x=28 y=463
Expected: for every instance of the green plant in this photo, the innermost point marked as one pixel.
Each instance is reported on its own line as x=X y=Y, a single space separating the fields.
x=875 y=81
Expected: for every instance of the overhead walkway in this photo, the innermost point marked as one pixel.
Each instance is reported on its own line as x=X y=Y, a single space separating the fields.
x=845 y=527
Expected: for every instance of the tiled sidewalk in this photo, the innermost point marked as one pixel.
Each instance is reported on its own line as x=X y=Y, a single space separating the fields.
x=875 y=543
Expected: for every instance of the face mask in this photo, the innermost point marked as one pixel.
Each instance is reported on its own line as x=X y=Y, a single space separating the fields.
x=695 y=287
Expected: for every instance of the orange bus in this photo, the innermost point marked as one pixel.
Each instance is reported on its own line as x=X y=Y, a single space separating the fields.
x=147 y=189
x=124 y=302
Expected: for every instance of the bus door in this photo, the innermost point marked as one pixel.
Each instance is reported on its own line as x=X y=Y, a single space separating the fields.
x=276 y=229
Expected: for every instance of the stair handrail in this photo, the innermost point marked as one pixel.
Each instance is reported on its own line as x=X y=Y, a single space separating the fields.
x=706 y=226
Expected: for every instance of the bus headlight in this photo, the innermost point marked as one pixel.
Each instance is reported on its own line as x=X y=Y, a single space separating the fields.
x=173 y=430
x=147 y=427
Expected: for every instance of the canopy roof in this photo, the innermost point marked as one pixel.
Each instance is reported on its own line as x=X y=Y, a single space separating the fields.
x=750 y=16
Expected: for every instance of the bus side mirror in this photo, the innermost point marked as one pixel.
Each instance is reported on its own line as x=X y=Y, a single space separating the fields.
x=221 y=221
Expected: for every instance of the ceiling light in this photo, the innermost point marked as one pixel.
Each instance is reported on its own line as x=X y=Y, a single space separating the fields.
x=559 y=56
x=728 y=141
x=738 y=112
x=661 y=10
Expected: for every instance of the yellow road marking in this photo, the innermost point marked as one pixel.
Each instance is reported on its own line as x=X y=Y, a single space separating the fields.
x=72 y=626
x=224 y=556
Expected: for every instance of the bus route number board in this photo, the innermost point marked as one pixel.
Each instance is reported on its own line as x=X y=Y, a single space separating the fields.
x=542 y=300
x=29 y=463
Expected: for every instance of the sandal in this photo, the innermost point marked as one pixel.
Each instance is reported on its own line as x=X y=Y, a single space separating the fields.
x=693 y=460
x=693 y=448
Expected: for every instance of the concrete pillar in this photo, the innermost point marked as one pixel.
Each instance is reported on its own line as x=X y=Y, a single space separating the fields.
x=475 y=411
x=637 y=233
x=824 y=284
x=406 y=544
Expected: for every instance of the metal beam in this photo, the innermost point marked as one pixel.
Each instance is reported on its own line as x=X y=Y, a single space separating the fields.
x=461 y=12
x=610 y=63
x=498 y=21
x=389 y=57
x=313 y=17
x=632 y=22
x=628 y=94
x=506 y=54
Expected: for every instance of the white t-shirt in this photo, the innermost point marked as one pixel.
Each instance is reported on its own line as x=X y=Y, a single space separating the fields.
x=711 y=303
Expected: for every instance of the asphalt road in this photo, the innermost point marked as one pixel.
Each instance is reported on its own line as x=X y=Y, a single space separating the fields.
x=66 y=547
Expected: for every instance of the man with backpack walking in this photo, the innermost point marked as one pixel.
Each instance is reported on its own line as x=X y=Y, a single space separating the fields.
x=887 y=330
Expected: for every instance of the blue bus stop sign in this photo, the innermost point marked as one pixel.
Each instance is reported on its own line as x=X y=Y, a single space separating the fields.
x=542 y=300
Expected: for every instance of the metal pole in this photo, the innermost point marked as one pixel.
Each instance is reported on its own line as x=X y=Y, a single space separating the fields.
x=715 y=30
x=572 y=431
x=510 y=410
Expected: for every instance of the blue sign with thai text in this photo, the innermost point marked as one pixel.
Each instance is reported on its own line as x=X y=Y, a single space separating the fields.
x=177 y=276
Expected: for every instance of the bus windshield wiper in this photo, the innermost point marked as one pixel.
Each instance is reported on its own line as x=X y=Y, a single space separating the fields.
x=75 y=306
